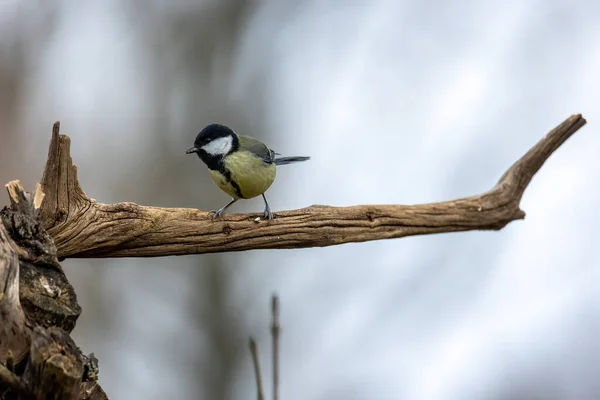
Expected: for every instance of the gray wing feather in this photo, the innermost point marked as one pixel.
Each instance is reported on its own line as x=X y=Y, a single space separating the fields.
x=257 y=148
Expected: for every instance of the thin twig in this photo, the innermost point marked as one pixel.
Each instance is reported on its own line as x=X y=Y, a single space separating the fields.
x=259 y=387
x=275 y=328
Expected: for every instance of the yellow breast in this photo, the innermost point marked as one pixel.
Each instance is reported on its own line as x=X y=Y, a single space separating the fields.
x=252 y=175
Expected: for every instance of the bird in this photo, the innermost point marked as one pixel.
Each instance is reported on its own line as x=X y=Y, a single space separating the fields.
x=241 y=166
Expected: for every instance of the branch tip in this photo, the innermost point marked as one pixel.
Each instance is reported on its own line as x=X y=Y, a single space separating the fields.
x=38 y=197
x=257 y=373
x=59 y=182
x=16 y=193
x=56 y=129
x=275 y=335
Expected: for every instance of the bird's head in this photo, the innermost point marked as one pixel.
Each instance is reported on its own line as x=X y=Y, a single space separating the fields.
x=214 y=141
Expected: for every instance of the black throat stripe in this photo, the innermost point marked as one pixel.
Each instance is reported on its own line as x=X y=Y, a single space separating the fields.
x=227 y=174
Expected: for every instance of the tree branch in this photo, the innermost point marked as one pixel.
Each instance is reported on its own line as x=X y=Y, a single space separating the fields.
x=275 y=331
x=82 y=227
x=260 y=395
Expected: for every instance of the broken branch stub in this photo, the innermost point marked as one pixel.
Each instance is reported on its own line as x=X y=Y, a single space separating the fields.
x=82 y=227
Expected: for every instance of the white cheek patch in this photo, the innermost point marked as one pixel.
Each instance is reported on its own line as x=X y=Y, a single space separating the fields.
x=219 y=147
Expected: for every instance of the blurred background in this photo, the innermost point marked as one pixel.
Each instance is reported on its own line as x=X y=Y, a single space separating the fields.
x=396 y=102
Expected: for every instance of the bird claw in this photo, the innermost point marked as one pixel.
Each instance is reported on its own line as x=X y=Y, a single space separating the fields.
x=268 y=214
x=218 y=213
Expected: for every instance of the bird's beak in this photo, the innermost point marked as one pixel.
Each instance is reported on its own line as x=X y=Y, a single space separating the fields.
x=191 y=150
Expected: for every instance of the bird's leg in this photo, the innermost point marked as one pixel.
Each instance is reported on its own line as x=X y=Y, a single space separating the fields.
x=221 y=210
x=268 y=214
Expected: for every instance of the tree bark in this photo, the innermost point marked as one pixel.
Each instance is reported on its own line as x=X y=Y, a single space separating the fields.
x=38 y=310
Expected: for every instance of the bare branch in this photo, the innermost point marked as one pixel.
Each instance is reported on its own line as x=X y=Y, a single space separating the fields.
x=260 y=394
x=82 y=227
x=275 y=330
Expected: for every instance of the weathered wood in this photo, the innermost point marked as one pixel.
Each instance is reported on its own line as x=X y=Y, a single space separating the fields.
x=38 y=310
x=82 y=227
x=22 y=222
x=45 y=293
x=55 y=369
x=14 y=337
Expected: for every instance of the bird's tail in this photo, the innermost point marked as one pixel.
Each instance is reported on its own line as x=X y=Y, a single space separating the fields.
x=289 y=160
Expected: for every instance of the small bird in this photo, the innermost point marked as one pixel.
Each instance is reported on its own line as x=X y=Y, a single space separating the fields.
x=241 y=166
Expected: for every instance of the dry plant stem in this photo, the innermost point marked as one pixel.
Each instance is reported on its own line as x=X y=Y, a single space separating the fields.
x=260 y=394
x=82 y=227
x=275 y=330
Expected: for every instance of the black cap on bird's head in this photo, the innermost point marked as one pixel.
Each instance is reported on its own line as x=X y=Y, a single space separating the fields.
x=214 y=140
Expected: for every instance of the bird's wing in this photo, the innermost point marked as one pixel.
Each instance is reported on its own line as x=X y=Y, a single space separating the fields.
x=257 y=148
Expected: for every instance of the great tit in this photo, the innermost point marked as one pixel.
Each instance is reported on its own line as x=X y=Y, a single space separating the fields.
x=241 y=166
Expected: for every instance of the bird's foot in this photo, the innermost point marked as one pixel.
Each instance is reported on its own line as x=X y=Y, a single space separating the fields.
x=218 y=213
x=268 y=214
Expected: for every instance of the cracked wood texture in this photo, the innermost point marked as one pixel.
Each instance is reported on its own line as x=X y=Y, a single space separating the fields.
x=82 y=227
x=14 y=338
x=38 y=310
